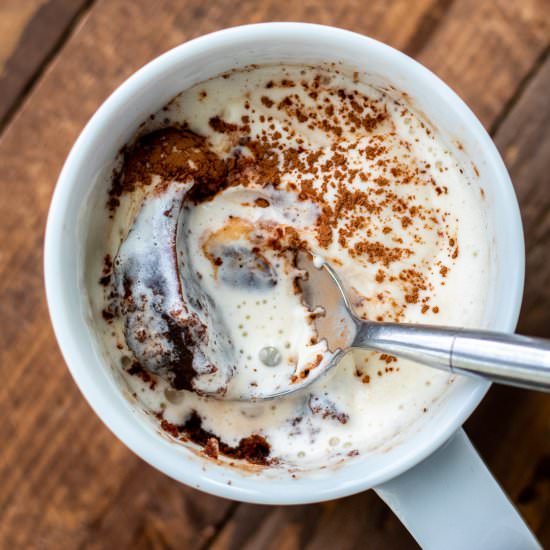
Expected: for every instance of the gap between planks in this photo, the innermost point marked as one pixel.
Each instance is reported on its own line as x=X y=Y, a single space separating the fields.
x=41 y=68
x=208 y=543
x=519 y=91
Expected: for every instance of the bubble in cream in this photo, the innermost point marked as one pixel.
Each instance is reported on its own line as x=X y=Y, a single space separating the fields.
x=270 y=356
x=173 y=396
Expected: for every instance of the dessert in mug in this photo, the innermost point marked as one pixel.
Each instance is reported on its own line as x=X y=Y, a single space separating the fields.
x=200 y=300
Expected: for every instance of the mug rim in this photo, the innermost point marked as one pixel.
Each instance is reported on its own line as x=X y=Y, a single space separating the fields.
x=128 y=431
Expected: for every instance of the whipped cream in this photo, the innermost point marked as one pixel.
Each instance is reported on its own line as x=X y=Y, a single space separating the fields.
x=298 y=158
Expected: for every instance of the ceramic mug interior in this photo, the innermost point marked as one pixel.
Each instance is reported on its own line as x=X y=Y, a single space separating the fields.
x=115 y=123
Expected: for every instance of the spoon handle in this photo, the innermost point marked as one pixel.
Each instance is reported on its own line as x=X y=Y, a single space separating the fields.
x=504 y=358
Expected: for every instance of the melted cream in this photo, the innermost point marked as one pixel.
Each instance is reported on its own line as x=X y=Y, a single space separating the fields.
x=412 y=247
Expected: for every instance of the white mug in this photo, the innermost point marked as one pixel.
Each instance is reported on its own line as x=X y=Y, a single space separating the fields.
x=433 y=479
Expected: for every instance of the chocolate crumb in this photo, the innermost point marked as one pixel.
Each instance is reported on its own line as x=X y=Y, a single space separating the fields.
x=267 y=102
x=261 y=202
x=219 y=125
x=254 y=448
x=326 y=409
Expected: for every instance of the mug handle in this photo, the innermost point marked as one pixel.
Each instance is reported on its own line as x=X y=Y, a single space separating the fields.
x=452 y=501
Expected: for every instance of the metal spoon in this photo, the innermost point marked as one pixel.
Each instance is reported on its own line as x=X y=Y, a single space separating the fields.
x=504 y=358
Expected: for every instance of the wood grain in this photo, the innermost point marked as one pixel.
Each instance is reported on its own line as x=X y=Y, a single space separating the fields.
x=483 y=49
x=524 y=141
x=359 y=521
x=66 y=482
x=31 y=31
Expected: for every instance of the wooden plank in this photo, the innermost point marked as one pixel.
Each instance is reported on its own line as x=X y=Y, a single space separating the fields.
x=512 y=427
x=360 y=521
x=483 y=49
x=30 y=30
x=525 y=145
x=66 y=482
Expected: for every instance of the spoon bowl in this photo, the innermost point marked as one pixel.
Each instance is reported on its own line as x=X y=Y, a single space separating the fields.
x=505 y=358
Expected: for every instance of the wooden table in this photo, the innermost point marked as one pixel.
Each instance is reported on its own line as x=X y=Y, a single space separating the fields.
x=65 y=481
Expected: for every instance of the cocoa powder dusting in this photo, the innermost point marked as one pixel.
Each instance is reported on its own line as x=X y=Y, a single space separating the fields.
x=172 y=154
